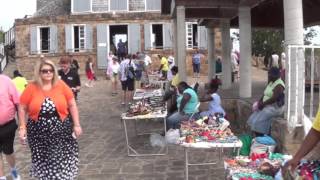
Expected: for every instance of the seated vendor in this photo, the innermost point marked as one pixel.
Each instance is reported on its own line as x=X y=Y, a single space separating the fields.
x=270 y=105
x=187 y=102
x=214 y=100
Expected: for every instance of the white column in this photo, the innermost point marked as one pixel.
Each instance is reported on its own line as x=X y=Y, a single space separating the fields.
x=226 y=53
x=245 y=52
x=181 y=42
x=293 y=30
x=175 y=42
x=211 y=56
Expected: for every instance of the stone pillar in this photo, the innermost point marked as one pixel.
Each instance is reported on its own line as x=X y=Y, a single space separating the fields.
x=245 y=52
x=226 y=53
x=211 y=51
x=175 y=42
x=293 y=30
x=181 y=42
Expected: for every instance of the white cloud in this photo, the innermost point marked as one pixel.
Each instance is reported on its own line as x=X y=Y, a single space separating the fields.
x=15 y=9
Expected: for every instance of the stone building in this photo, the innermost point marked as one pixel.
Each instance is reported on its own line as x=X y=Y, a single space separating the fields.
x=94 y=27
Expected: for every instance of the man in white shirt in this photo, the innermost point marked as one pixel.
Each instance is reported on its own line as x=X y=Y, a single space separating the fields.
x=147 y=60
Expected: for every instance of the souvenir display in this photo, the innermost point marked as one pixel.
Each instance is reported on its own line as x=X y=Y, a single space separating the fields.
x=308 y=170
x=152 y=105
x=255 y=167
x=146 y=93
x=210 y=129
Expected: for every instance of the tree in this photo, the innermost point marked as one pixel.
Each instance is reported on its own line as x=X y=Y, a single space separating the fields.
x=1 y=36
x=309 y=34
x=266 y=41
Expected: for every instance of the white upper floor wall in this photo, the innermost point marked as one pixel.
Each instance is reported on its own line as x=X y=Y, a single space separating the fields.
x=109 y=6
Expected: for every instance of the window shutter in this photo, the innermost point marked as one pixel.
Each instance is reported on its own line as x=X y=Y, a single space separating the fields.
x=153 y=5
x=134 y=38
x=53 y=39
x=68 y=38
x=203 y=41
x=33 y=40
x=168 y=36
x=147 y=36
x=102 y=45
x=122 y=5
x=89 y=37
x=81 y=6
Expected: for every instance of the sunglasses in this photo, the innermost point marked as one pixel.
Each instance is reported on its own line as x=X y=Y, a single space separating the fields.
x=46 y=71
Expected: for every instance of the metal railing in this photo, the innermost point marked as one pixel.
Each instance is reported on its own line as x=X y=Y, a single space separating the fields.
x=310 y=86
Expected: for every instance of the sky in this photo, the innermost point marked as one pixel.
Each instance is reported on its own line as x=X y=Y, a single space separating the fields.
x=15 y=9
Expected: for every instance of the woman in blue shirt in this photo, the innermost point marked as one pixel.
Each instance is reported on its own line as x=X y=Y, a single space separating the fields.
x=187 y=103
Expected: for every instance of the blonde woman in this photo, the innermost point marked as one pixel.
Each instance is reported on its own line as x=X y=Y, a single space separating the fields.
x=50 y=130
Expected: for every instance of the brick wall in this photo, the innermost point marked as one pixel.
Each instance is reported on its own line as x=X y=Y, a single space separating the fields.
x=26 y=61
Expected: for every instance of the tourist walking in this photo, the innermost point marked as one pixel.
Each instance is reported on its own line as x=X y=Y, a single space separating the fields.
x=19 y=81
x=8 y=104
x=113 y=72
x=196 y=61
x=127 y=78
x=89 y=72
x=69 y=76
x=52 y=126
x=121 y=50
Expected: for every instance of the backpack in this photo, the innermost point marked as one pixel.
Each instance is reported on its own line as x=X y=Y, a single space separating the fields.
x=130 y=71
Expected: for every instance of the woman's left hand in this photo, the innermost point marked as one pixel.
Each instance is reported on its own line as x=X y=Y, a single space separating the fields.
x=260 y=105
x=77 y=131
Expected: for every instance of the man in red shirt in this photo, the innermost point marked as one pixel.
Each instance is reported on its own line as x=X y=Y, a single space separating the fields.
x=9 y=100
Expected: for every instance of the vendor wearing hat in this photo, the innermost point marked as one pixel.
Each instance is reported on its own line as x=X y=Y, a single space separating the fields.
x=69 y=76
x=270 y=105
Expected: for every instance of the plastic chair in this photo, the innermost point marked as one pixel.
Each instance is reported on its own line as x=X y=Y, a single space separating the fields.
x=197 y=107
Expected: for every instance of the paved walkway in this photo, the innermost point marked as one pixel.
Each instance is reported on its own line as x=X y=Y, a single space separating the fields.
x=103 y=154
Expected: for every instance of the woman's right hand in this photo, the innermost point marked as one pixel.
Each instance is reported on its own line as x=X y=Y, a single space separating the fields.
x=23 y=135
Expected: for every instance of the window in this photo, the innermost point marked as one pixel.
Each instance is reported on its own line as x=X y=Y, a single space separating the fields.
x=44 y=39
x=100 y=5
x=136 y=5
x=157 y=36
x=79 y=38
x=192 y=35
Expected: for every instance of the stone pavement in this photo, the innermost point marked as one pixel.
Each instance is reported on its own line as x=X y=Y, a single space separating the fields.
x=103 y=154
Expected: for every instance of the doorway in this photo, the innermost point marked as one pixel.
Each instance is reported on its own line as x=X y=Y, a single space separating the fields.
x=117 y=33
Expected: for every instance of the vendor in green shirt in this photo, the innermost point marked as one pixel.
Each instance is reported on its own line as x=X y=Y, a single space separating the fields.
x=187 y=103
x=270 y=105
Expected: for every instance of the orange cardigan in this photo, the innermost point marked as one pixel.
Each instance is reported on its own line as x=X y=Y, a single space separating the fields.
x=33 y=97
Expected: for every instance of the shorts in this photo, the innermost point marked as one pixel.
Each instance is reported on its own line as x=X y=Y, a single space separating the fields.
x=90 y=75
x=7 y=134
x=196 y=68
x=127 y=85
x=114 y=77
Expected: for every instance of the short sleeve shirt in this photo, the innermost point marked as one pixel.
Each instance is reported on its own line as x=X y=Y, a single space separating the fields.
x=33 y=97
x=196 y=58
x=316 y=122
x=9 y=97
x=72 y=78
x=164 y=62
x=20 y=83
x=268 y=92
x=191 y=105
x=215 y=104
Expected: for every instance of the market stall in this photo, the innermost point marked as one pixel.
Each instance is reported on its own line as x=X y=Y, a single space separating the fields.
x=265 y=166
x=142 y=110
x=207 y=133
x=147 y=93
